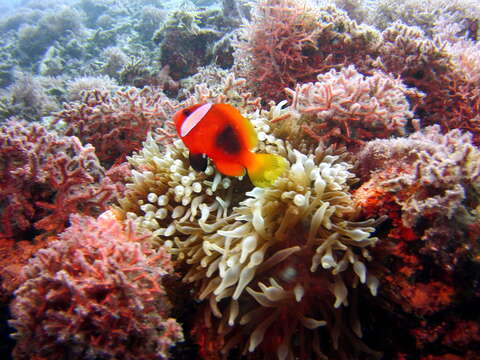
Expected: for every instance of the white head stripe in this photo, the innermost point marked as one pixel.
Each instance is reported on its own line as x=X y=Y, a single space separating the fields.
x=194 y=118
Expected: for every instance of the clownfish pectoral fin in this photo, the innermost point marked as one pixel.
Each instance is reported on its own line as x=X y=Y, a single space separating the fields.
x=229 y=168
x=264 y=169
x=198 y=162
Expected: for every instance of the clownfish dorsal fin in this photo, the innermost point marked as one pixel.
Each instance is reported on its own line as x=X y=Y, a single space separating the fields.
x=194 y=118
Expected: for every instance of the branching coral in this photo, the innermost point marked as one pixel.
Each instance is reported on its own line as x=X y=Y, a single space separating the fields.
x=115 y=124
x=445 y=78
x=283 y=247
x=437 y=176
x=290 y=42
x=188 y=38
x=345 y=107
x=45 y=178
x=426 y=14
x=95 y=293
x=215 y=85
x=466 y=90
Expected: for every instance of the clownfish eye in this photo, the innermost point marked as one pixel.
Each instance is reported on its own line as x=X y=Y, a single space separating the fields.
x=187 y=112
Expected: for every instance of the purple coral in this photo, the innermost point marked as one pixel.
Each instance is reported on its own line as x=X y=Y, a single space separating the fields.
x=95 y=294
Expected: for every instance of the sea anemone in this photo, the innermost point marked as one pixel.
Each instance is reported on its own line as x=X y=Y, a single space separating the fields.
x=295 y=247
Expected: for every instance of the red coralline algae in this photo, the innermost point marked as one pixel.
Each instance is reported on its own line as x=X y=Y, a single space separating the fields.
x=115 y=124
x=427 y=298
x=45 y=178
x=95 y=294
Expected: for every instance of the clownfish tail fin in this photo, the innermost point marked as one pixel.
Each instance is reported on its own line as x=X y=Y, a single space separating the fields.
x=264 y=169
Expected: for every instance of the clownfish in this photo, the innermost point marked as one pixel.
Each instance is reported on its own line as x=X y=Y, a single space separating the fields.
x=221 y=133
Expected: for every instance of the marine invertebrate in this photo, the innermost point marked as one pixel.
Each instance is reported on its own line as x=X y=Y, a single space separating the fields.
x=276 y=272
x=346 y=107
x=46 y=177
x=95 y=293
x=430 y=175
x=215 y=85
x=78 y=86
x=115 y=124
x=186 y=40
x=280 y=248
x=290 y=42
x=465 y=91
x=150 y=19
x=34 y=40
x=28 y=98
x=14 y=255
x=115 y=60
x=428 y=186
x=429 y=66
x=425 y=14
x=164 y=191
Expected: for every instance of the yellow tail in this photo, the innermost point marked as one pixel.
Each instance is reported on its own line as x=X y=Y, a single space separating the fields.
x=264 y=169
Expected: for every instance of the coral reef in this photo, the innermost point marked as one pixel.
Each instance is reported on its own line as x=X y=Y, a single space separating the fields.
x=430 y=175
x=27 y=97
x=46 y=177
x=289 y=42
x=428 y=186
x=95 y=293
x=345 y=107
x=432 y=67
x=281 y=247
x=426 y=14
x=115 y=124
x=76 y=88
x=375 y=104
x=187 y=40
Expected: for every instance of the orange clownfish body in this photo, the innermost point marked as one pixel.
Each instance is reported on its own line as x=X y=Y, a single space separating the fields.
x=221 y=133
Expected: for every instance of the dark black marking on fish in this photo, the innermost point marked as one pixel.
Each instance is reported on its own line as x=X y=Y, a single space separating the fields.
x=198 y=162
x=228 y=140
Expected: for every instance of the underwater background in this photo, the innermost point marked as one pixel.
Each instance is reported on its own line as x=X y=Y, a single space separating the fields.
x=367 y=245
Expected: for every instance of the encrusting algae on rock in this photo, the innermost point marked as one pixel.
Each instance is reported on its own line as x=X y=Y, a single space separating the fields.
x=273 y=265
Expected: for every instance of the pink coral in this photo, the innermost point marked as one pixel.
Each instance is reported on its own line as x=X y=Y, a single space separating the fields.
x=46 y=177
x=95 y=293
x=115 y=124
x=437 y=175
x=350 y=108
x=290 y=42
x=446 y=73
